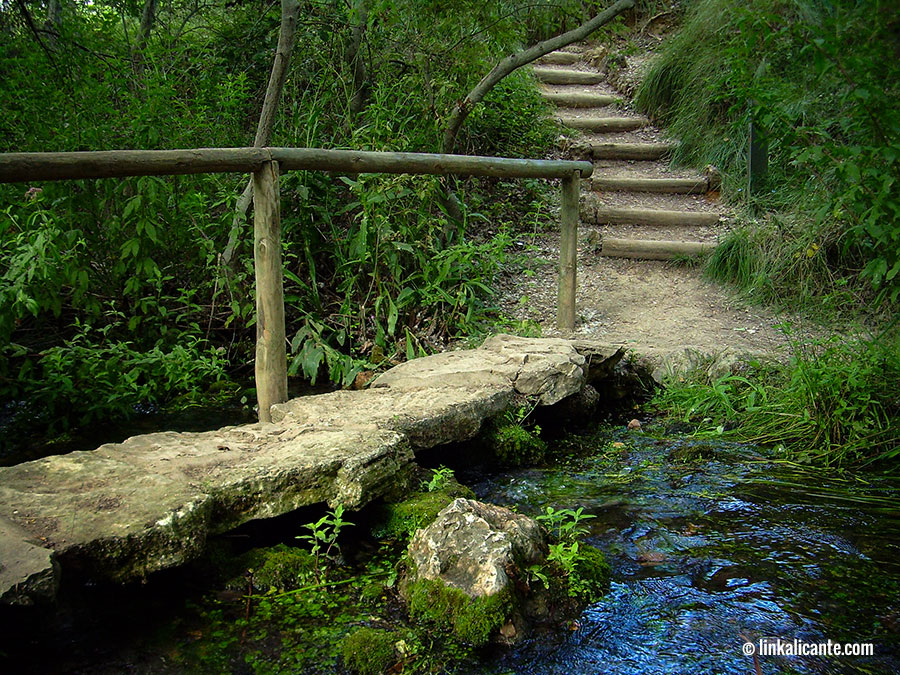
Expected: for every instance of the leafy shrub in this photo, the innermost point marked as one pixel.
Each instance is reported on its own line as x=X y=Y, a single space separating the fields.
x=80 y=382
x=514 y=120
x=815 y=80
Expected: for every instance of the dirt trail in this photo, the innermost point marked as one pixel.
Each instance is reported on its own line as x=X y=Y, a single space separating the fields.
x=656 y=307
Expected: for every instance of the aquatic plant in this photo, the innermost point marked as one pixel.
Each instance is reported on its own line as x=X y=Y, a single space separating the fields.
x=323 y=538
x=583 y=568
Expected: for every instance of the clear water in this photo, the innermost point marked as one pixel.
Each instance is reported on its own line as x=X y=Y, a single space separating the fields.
x=709 y=552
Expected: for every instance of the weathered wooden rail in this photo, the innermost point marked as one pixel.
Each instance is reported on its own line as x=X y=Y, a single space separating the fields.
x=266 y=164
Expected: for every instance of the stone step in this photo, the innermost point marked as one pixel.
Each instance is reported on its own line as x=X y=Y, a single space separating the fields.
x=561 y=58
x=684 y=186
x=604 y=125
x=580 y=99
x=651 y=249
x=630 y=216
x=566 y=76
x=638 y=151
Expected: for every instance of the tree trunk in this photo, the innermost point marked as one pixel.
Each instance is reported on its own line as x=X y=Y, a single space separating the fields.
x=355 y=59
x=53 y=24
x=148 y=18
x=515 y=61
x=290 y=10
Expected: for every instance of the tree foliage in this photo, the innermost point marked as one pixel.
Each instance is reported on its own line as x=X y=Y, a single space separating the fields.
x=370 y=272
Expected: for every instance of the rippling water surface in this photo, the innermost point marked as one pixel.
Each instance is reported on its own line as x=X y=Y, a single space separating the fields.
x=712 y=544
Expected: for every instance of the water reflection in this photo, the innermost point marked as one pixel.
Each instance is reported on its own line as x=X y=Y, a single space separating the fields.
x=710 y=544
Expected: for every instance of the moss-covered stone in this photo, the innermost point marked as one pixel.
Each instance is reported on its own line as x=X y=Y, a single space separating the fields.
x=472 y=620
x=589 y=581
x=685 y=452
x=401 y=519
x=514 y=445
x=369 y=651
x=281 y=567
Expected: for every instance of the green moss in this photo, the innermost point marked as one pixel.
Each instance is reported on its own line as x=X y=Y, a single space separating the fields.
x=472 y=620
x=369 y=651
x=514 y=445
x=589 y=581
x=281 y=567
x=402 y=519
x=687 y=452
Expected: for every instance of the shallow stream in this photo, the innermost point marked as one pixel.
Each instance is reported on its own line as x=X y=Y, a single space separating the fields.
x=712 y=544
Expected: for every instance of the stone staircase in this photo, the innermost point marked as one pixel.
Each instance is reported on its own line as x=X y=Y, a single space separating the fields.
x=634 y=205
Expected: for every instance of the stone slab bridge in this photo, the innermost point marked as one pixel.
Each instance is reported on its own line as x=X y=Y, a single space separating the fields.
x=128 y=509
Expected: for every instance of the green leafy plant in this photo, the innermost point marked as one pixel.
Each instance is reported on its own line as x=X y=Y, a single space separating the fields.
x=583 y=567
x=834 y=403
x=440 y=479
x=323 y=538
x=567 y=525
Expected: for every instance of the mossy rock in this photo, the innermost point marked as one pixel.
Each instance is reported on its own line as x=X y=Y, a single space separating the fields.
x=514 y=445
x=400 y=520
x=472 y=620
x=590 y=580
x=369 y=651
x=281 y=567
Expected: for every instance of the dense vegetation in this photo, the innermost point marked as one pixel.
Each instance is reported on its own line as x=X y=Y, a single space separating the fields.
x=820 y=81
x=124 y=295
x=125 y=285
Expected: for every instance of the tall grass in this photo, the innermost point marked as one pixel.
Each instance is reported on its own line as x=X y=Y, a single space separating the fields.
x=820 y=82
x=835 y=403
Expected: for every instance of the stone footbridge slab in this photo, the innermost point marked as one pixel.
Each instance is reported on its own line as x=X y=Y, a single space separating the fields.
x=128 y=509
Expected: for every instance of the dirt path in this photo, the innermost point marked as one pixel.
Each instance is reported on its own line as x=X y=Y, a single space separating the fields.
x=656 y=307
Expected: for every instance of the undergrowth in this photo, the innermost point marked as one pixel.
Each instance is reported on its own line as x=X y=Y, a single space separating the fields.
x=819 y=81
x=835 y=403
x=375 y=271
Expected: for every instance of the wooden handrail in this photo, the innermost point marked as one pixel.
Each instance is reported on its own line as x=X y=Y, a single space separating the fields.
x=19 y=167
x=265 y=165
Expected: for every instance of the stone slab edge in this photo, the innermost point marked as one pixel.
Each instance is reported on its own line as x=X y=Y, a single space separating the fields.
x=127 y=509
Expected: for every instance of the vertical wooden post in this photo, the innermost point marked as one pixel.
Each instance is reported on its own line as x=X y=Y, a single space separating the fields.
x=757 y=156
x=568 y=243
x=271 y=360
x=758 y=160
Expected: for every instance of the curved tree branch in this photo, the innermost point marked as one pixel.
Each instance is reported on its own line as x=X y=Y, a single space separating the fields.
x=290 y=10
x=515 y=61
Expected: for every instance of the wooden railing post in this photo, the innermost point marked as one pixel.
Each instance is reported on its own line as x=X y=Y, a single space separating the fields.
x=568 y=244
x=271 y=360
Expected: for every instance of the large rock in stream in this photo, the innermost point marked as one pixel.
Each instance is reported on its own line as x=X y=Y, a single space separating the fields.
x=127 y=509
x=464 y=569
x=472 y=546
